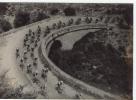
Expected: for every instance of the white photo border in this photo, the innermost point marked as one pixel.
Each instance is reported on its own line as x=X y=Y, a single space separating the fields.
x=95 y=1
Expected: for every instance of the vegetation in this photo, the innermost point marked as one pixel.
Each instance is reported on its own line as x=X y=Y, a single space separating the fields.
x=8 y=92
x=3 y=8
x=93 y=62
x=54 y=11
x=69 y=11
x=41 y=16
x=37 y=15
x=123 y=9
x=24 y=17
x=21 y=18
x=5 y=25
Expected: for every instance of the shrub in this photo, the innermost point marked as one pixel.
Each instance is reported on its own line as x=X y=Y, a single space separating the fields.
x=41 y=16
x=3 y=8
x=54 y=11
x=8 y=92
x=69 y=11
x=21 y=18
x=37 y=15
x=5 y=25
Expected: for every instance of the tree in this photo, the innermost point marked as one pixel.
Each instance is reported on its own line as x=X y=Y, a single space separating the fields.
x=69 y=11
x=37 y=15
x=3 y=8
x=54 y=11
x=42 y=15
x=54 y=51
x=21 y=18
x=5 y=25
x=56 y=45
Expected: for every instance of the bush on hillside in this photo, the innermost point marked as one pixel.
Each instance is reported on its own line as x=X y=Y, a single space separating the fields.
x=37 y=15
x=3 y=8
x=21 y=18
x=5 y=25
x=69 y=11
x=54 y=11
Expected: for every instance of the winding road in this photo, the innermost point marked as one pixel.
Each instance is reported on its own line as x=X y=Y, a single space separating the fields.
x=8 y=45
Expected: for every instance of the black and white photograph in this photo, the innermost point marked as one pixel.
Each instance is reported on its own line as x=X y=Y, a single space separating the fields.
x=66 y=50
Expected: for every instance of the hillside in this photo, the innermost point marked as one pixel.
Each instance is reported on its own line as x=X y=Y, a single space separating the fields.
x=94 y=61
